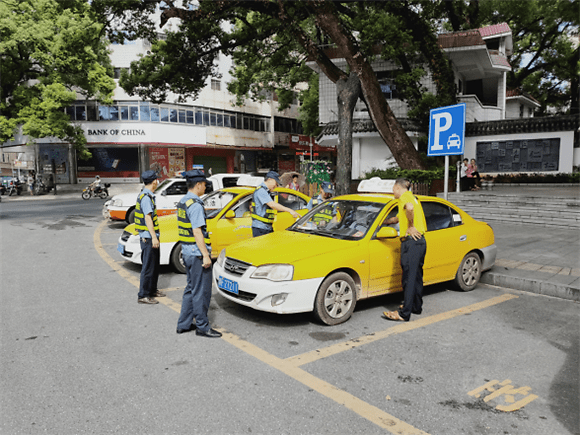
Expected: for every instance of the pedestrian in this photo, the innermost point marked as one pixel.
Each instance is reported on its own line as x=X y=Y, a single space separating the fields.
x=196 y=253
x=294 y=183
x=147 y=226
x=473 y=175
x=263 y=205
x=463 y=181
x=30 y=181
x=412 y=227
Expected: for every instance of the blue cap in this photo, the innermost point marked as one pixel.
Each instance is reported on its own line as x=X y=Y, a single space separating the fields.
x=327 y=187
x=195 y=175
x=274 y=175
x=149 y=176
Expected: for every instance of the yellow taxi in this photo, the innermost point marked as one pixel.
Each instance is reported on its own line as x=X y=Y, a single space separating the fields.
x=228 y=221
x=343 y=251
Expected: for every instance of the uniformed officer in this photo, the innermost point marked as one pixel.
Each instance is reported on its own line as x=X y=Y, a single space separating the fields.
x=196 y=253
x=148 y=228
x=412 y=228
x=263 y=206
x=325 y=215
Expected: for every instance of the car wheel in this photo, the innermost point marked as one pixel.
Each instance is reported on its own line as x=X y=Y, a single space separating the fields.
x=130 y=216
x=336 y=299
x=469 y=272
x=177 y=259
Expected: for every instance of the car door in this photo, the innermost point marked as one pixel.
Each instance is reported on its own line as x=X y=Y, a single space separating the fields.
x=294 y=202
x=447 y=242
x=385 y=260
x=227 y=230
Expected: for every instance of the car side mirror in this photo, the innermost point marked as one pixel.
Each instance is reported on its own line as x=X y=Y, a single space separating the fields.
x=230 y=214
x=387 y=233
x=164 y=193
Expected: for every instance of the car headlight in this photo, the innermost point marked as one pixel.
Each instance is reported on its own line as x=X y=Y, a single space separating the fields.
x=117 y=202
x=274 y=272
x=221 y=258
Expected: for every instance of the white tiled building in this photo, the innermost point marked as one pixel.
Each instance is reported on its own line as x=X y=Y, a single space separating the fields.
x=479 y=60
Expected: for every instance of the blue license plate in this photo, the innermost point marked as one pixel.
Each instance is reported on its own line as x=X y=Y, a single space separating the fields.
x=121 y=248
x=228 y=285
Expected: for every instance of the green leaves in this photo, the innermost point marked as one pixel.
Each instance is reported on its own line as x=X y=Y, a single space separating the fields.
x=51 y=51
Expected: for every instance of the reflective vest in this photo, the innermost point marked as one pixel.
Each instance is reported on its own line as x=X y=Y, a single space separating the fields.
x=270 y=214
x=322 y=215
x=140 y=218
x=184 y=225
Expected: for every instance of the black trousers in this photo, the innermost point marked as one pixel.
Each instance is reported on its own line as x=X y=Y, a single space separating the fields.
x=149 y=269
x=412 y=260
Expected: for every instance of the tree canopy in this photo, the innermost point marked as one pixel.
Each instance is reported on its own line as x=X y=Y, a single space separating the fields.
x=50 y=50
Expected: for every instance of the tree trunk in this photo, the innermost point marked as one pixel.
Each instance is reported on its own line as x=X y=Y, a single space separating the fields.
x=389 y=128
x=348 y=91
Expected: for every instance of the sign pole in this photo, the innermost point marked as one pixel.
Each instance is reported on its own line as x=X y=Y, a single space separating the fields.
x=446 y=179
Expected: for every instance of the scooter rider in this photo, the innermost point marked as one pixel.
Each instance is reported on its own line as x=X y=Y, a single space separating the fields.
x=95 y=186
x=263 y=206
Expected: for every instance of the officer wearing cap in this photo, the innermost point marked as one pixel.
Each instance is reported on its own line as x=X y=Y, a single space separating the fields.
x=325 y=215
x=147 y=226
x=263 y=205
x=196 y=251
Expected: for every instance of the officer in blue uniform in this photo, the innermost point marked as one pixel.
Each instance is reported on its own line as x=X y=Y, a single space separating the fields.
x=324 y=216
x=326 y=192
x=263 y=206
x=147 y=226
x=196 y=253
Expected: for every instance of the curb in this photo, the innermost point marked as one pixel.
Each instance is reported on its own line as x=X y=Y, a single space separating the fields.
x=562 y=291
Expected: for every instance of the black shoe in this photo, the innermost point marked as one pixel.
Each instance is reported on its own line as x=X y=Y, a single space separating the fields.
x=181 y=331
x=212 y=333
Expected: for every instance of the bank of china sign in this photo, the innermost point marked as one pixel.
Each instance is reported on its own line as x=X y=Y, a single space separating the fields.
x=131 y=133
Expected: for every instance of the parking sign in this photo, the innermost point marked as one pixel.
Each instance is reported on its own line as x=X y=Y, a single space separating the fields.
x=447 y=131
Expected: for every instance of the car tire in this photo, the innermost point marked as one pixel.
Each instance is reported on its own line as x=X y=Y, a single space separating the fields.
x=469 y=272
x=176 y=259
x=336 y=299
x=130 y=216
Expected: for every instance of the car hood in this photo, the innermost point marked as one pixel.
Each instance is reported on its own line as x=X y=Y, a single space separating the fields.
x=285 y=247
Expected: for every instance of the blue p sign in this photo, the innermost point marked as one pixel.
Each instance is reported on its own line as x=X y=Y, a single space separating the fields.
x=447 y=131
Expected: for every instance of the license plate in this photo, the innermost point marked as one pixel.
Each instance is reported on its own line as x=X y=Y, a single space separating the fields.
x=228 y=285
x=121 y=248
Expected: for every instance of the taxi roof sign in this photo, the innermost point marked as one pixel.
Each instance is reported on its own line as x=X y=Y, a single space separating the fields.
x=249 y=180
x=376 y=185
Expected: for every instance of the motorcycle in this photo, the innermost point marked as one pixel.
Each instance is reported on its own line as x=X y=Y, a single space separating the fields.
x=15 y=187
x=99 y=191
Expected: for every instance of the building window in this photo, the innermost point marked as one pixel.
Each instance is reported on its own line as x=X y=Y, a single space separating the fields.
x=387 y=81
x=521 y=110
x=216 y=85
x=134 y=113
x=154 y=113
x=145 y=114
x=172 y=115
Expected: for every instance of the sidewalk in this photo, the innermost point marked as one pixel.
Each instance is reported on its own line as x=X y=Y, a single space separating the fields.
x=73 y=191
x=537 y=260
x=530 y=258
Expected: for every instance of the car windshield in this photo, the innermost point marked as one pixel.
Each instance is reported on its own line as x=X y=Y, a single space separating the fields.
x=216 y=201
x=162 y=185
x=349 y=220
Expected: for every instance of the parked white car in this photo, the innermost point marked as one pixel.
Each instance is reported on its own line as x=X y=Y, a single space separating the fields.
x=168 y=193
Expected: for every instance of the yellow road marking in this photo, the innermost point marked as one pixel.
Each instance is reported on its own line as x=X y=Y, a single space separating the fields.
x=317 y=354
x=291 y=366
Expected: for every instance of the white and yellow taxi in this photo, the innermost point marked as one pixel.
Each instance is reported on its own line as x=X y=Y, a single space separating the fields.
x=343 y=251
x=228 y=221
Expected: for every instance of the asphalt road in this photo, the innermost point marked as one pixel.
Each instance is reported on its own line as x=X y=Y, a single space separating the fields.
x=80 y=356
